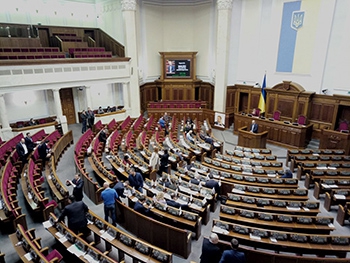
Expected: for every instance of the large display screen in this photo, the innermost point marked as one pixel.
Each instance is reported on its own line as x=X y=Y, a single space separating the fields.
x=178 y=68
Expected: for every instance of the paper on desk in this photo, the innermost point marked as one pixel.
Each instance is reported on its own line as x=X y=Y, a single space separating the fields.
x=134 y=199
x=74 y=250
x=219 y=230
x=321 y=167
x=47 y=224
x=59 y=235
x=234 y=190
x=273 y=239
x=293 y=208
x=247 y=173
x=315 y=154
x=271 y=175
x=107 y=236
x=121 y=170
x=333 y=186
x=331 y=225
x=306 y=209
x=90 y=259
x=326 y=185
x=340 y=196
x=332 y=168
x=62 y=239
x=254 y=237
x=194 y=206
x=28 y=256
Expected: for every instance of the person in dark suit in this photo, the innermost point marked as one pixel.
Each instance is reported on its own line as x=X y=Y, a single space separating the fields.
x=75 y=211
x=119 y=188
x=84 y=118
x=164 y=162
x=22 y=151
x=78 y=185
x=287 y=174
x=103 y=135
x=90 y=118
x=196 y=179
x=211 y=183
x=136 y=180
x=29 y=143
x=44 y=152
x=232 y=255
x=211 y=253
x=140 y=206
x=172 y=202
x=32 y=122
x=254 y=127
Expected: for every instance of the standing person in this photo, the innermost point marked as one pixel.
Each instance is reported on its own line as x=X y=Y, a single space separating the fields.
x=22 y=151
x=154 y=161
x=109 y=195
x=32 y=122
x=102 y=137
x=75 y=212
x=29 y=143
x=83 y=117
x=78 y=185
x=254 y=127
x=136 y=180
x=232 y=255
x=164 y=162
x=119 y=187
x=44 y=152
x=90 y=118
x=210 y=251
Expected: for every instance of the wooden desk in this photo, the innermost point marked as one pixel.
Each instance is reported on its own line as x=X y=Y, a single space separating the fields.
x=335 y=140
x=280 y=133
x=250 y=139
x=167 y=237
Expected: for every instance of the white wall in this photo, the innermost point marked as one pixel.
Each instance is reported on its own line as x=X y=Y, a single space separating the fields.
x=175 y=28
x=60 y=13
x=23 y=105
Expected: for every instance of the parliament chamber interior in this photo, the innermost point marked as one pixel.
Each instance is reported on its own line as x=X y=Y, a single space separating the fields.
x=108 y=85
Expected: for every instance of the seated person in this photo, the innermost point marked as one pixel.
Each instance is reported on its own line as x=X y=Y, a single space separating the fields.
x=140 y=206
x=32 y=122
x=159 y=198
x=172 y=202
x=206 y=138
x=196 y=179
x=287 y=174
x=126 y=161
x=188 y=127
x=164 y=180
x=189 y=137
x=103 y=136
x=255 y=112
x=100 y=110
x=108 y=109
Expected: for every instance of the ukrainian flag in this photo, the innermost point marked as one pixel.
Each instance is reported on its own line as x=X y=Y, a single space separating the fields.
x=262 y=100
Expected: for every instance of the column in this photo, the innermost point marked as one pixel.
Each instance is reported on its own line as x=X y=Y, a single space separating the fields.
x=126 y=98
x=6 y=131
x=222 y=47
x=129 y=13
x=58 y=109
x=88 y=96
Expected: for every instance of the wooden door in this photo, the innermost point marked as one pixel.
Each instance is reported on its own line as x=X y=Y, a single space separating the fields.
x=44 y=37
x=67 y=103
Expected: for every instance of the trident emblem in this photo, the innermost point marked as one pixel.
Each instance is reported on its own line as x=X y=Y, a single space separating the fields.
x=297 y=19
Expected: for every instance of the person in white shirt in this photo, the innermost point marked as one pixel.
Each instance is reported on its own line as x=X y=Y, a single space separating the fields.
x=154 y=161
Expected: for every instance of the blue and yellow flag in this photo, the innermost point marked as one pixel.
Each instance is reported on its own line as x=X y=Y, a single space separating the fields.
x=262 y=100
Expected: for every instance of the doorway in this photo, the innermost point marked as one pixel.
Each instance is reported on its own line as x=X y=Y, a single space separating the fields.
x=67 y=102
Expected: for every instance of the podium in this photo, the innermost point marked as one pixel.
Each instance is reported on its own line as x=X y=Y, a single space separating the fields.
x=251 y=140
x=335 y=140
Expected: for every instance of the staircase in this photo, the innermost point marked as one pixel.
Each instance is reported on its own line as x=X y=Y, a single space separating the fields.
x=313 y=144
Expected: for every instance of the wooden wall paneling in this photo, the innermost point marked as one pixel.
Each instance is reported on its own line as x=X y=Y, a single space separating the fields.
x=254 y=100
x=327 y=113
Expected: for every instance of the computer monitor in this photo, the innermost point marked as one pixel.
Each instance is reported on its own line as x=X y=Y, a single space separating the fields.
x=93 y=254
x=99 y=224
x=80 y=245
x=60 y=228
x=70 y=237
x=112 y=232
